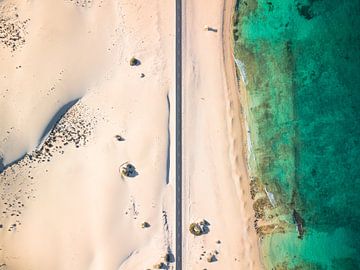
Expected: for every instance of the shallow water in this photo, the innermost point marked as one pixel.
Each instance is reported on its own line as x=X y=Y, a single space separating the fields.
x=302 y=61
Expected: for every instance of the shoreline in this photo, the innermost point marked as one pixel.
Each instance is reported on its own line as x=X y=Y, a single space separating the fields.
x=298 y=158
x=214 y=162
x=237 y=95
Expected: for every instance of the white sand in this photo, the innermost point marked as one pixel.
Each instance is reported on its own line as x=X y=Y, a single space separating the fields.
x=216 y=181
x=70 y=206
x=78 y=213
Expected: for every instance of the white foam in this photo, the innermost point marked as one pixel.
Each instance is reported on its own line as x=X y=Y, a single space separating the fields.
x=241 y=66
x=271 y=197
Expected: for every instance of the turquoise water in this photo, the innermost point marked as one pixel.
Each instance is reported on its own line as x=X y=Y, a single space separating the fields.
x=302 y=62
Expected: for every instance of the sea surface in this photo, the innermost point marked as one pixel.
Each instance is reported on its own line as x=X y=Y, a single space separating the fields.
x=300 y=60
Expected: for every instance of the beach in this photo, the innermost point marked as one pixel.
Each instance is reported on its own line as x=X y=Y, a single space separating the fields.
x=216 y=179
x=88 y=88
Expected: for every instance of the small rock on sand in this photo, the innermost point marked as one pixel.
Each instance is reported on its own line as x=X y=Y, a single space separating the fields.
x=145 y=225
x=120 y=138
x=134 y=62
x=211 y=258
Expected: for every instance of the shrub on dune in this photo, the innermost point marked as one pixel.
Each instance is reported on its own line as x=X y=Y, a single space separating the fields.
x=195 y=229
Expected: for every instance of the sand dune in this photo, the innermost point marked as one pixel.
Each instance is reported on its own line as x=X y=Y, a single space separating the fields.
x=65 y=204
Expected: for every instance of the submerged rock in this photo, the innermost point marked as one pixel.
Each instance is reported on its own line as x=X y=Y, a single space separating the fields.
x=299 y=224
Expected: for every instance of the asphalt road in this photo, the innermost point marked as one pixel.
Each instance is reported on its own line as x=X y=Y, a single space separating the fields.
x=178 y=148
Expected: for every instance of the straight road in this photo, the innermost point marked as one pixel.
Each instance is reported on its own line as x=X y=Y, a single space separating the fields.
x=178 y=130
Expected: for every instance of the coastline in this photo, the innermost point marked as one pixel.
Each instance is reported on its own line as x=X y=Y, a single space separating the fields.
x=237 y=79
x=214 y=151
x=237 y=108
x=296 y=134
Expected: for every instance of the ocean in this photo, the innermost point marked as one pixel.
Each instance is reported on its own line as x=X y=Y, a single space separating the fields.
x=302 y=64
